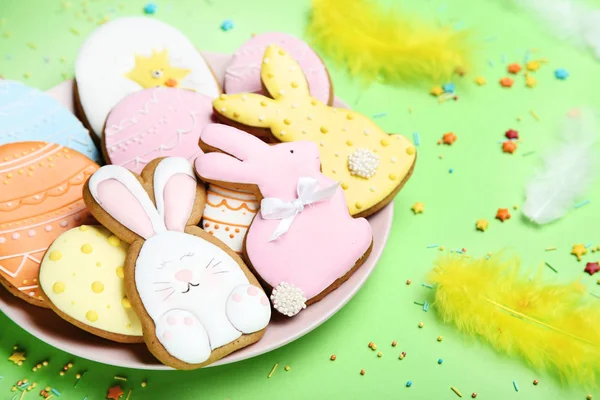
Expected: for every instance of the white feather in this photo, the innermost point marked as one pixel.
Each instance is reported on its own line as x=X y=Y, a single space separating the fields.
x=570 y=20
x=567 y=173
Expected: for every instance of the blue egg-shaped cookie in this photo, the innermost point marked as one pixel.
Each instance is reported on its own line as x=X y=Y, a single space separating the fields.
x=28 y=114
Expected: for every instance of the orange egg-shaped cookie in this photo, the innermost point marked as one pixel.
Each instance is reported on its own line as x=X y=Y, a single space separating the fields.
x=41 y=186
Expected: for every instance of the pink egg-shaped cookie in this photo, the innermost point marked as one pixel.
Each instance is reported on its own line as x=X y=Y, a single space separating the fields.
x=243 y=74
x=153 y=123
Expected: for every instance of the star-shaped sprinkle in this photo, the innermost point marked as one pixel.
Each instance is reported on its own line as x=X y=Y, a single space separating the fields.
x=506 y=82
x=436 y=91
x=514 y=68
x=578 y=251
x=592 y=267
x=480 y=80
x=503 y=214
x=449 y=138
x=530 y=82
x=509 y=146
x=418 y=208
x=17 y=357
x=115 y=393
x=460 y=71
x=561 y=74
x=532 y=66
x=481 y=225
x=511 y=134
x=448 y=87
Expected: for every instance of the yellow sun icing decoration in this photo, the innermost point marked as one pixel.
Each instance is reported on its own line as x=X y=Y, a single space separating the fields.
x=369 y=163
x=156 y=71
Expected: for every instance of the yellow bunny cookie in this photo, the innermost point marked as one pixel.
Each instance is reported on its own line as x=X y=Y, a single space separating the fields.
x=371 y=165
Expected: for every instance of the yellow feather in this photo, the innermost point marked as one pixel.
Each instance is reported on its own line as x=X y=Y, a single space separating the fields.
x=552 y=326
x=384 y=44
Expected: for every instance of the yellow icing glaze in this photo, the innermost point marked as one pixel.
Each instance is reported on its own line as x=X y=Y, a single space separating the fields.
x=82 y=283
x=156 y=70
x=292 y=115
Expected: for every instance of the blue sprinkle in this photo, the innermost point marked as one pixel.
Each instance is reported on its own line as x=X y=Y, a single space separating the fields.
x=416 y=138
x=427 y=285
x=503 y=58
x=527 y=56
x=448 y=87
x=425 y=306
x=587 y=246
x=451 y=170
x=561 y=74
x=583 y=203
x=150 y=8
x=56 y=392
x=227 y=25
x=431 y=246
x=516 y=386
x=409 y=384
x=379 y=115
x=440 y=361
x=491 y=63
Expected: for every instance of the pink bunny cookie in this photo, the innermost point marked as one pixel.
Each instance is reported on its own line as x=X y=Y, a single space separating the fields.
x=195 y=298
x=303 y=243
x=162 y=122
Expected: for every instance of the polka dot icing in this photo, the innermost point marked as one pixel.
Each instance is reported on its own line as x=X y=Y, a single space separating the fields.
x=85 y=281
x=363 y=163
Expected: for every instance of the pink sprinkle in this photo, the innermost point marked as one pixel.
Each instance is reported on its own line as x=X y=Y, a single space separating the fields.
x=252 y=290
x=31 y=233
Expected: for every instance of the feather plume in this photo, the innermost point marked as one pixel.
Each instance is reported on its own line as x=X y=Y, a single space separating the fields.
x=554 y=327
x=377 y=43
x=571 y=20
x=567 y=172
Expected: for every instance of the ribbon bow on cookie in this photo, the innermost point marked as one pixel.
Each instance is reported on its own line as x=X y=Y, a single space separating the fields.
x=308 y=193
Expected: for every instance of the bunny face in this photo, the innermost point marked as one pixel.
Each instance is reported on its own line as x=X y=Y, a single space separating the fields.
x=182 y=282
x=370 y=164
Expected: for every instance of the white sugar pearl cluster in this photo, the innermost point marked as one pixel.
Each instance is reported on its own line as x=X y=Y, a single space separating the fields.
x=363 y=163
x=288 y=299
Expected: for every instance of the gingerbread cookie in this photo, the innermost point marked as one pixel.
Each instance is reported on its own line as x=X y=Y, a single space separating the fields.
x=243 y=74
x=196 y=299
x=303 y=243
x=40 y=198
x=134 y=53
x=82 y=278
x=28 y=114
x=371 y=165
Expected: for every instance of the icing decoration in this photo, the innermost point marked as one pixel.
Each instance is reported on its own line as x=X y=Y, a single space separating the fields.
x=196 y=294
x=156 y=71
x=86 y=286
x=293 y=115
x=153 y=123
x=243 y=74
x=288 y=299
x=28 y=114
x=363 y=163
x=40 y=198
x=128 y=54
x=322 y=245
x=228 y=214
x=308 y=193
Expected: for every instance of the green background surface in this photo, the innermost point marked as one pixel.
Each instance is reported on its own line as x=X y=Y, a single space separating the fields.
x=484 y=179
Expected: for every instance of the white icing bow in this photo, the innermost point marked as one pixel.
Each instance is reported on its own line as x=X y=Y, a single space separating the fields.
x=308 y=193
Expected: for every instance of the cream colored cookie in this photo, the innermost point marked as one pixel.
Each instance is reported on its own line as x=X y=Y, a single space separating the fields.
x=82 y=277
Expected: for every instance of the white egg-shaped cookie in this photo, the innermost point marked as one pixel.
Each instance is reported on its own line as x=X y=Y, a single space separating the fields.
x=82 y=277
x=131 y=54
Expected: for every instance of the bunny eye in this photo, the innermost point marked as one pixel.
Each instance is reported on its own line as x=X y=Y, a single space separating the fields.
x=157 y=73
x=292 y=151
x=163 y=264
x=186 y=255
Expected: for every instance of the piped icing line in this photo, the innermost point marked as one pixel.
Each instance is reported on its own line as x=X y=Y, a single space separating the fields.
x=26 y=157
x=26 y=256
x=125 y=123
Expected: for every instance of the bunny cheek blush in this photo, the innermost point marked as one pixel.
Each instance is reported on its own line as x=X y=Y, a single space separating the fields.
x=371 y=165
x=196 y=299
x=303 y=243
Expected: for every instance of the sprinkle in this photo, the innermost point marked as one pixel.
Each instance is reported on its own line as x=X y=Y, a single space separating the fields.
x=129 y=394
x=448 y=87
x=371 y=344
x=455 y=390
x=74 y=31
x=427 y=285
x=227 y=25
x=379 y=354
x=120 y=378
x=144 y=384
x=440 y=338
x=394 y=343
x=287 y=368
x=379 y=115
x=56 y=392
x=419 y=304
x=362 y=371
x=583 y=203
x=491 y=63
x=78 y=377
x=595 y=295
x=416 y=138
x=440 y=361
x=421 y=324
x=426 y=306
x=561 y=74
x=503 y=58
x=449 y=138
x=32 y=45
x=333 y=357
x=474 y=395
x=408 y=384
x=451 y=170
x=536 y=382
x=431 y=246
x=550 y=266
x=533 y=113
x=150 y=8
x=550 y=249
x=273 y=370
x=515 y=386
x=529 y=153
x=408 y=281
x=506 y=82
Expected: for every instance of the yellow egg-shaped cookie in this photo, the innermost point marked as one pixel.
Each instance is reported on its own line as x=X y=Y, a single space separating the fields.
x=81 y=275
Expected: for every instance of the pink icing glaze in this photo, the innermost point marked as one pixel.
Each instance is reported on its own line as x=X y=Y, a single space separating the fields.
x=156 y=122
x=324 y=241
x=243 y=74
x=177 y=212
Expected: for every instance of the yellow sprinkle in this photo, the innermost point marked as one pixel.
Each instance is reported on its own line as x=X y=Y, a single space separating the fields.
x=358 y=205
x=349 y=142
x=324 y=129
x=287 y=368
x=287 y=121
x=58 y=287
x=410 y=150
x=97 y=287
x=55 y=255
x=537 y=118
x=113 y=240
x=294 y=84
x=120 y=272
x=91 y=316
x=236 y=114
x=350 y=116
x=344 y=185
x=455 y=390
x=32 y=45
x=392 y=177
x=385 y=142
x=86 y=248
x=26 y=75
x=74 y=31
x=263 y=103
x=125 y=302
x=273 y=370
x=223 y=97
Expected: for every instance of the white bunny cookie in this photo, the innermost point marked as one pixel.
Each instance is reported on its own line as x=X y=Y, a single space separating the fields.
x=196 y=299
x=371 y=165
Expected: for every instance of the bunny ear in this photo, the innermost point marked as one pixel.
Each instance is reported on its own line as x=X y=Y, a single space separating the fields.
x=175 y=191
x=233 y=141
x=254 y=109
x=223 y=168
x=121 y=195
x=281 y=74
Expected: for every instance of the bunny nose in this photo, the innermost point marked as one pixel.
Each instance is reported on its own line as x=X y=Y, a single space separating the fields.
x=171 y=82
x=184 y=275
